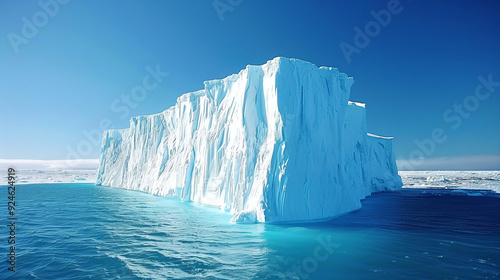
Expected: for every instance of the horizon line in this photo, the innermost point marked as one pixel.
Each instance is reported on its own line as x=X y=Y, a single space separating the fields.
x=456 y=163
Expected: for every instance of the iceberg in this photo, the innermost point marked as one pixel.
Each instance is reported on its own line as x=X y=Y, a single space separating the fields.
x=278 y=142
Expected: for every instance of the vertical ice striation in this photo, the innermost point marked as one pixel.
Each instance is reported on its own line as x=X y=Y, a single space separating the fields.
x=278 y=142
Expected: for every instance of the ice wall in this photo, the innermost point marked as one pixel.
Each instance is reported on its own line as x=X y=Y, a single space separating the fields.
x=278 y=142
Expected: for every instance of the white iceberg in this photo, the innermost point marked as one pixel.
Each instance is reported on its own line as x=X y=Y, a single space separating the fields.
x=279 y=142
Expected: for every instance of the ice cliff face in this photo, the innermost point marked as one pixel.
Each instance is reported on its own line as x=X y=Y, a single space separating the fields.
x=278 y=142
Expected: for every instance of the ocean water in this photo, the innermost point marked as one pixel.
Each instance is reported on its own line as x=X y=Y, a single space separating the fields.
x=82 y=231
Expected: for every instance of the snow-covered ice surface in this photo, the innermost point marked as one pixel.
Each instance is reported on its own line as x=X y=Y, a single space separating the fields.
x=279 y=142
x=457 y=180
x=37 y=176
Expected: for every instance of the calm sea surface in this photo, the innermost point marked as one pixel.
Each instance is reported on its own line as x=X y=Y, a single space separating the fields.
x=81 y=231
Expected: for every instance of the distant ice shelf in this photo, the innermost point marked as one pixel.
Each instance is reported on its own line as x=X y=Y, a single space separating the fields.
x=279 y=142
x=51 y=176
x=452 y=180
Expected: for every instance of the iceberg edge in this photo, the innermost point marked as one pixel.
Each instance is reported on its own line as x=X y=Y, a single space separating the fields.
x=279 y=142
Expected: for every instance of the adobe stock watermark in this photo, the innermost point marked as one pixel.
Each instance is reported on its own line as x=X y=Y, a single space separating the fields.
x=120 y=106
x=31 y=27
x=223 y=6
x=454 y=116
x=320 y=254
x=363 y=37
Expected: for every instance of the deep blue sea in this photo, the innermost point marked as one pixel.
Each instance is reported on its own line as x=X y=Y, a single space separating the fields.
x=82 y=231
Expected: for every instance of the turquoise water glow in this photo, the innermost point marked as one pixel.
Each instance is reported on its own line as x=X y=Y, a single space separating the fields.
x=80 y=231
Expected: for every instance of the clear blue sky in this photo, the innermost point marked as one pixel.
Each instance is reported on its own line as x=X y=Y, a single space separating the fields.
x=87 y=54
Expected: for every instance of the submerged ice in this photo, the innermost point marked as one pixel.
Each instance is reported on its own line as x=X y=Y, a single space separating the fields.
x=278 y=142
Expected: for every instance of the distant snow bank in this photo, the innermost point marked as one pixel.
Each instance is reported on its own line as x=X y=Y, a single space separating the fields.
x=456 y=180
x=36 y=171
x=37 y=176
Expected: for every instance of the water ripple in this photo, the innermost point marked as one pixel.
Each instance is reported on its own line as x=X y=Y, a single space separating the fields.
x=80 y=231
